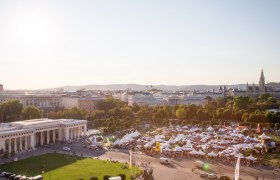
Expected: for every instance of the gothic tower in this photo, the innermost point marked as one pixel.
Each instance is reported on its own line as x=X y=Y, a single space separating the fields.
x=262 y=82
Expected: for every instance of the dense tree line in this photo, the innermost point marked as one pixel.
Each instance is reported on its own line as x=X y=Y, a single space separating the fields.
x=114 y=115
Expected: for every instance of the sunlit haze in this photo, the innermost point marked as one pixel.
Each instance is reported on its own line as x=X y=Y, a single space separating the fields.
x=45 y=44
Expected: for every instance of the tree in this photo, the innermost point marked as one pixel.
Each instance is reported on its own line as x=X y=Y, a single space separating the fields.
x=99 y=114
x=55 y=115
x=208 y=98
x=264 y=97
x=181 y=113
x=108 y=104
x=31 y=112
x=257 y=118
x=75 y=113
x=242 y=102
x=144 y=113
x=11 y=110
x=159 y=114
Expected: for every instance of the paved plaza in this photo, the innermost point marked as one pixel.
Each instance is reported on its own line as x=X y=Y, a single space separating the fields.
x=179 y=169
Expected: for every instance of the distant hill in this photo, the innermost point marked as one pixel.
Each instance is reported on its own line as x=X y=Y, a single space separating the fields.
x=139 y=87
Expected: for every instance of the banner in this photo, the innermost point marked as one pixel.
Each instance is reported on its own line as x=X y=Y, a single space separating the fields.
x=236 y=173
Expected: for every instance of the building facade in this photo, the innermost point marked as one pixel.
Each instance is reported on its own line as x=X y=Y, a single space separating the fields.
x=255 y=90
x=41 y=100
x=25 y=135
x=87 y=103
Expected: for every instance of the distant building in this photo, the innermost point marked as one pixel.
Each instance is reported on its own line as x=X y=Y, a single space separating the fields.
x=1 y=88
x=255 y=90
x=70 y=102
x=41 y=100
x=187 y=100
x=145 y=99
x=87 y=103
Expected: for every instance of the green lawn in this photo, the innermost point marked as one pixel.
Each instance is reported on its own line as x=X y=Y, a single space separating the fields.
x=59 y=166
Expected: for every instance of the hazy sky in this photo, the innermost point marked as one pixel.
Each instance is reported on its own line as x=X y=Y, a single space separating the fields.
x=55 y=43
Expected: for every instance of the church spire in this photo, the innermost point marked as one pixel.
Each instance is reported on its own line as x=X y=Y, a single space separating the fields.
x=262 y=82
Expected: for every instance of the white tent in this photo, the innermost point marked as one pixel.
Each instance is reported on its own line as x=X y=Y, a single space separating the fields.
x=178 y=149
x=210 y=128
x=165 y=145
x=194 y=152
x=135 y=134
x=212 y=154
x=171 y=141
x=167 y=149
x=149 y=144
x=263 y=136
x=200 y=153
x=159 y=136
x=187 y=148
x=117 y=142
x=251 y=158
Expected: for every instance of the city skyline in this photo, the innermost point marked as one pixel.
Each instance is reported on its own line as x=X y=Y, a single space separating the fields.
x=47 y=44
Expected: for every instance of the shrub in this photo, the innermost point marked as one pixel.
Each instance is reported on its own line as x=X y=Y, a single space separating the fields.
x=93 y=178
x=106 y=177
x=123 y=176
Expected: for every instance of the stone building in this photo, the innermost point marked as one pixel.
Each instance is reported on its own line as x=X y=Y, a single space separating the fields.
x=25 y=135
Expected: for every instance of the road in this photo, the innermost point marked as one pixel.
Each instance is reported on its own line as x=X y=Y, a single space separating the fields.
x=178 y=170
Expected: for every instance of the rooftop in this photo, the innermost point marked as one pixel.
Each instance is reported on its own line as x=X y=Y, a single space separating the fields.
x=35 y=123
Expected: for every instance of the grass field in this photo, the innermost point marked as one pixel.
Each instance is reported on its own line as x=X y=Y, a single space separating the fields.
x=66 y=167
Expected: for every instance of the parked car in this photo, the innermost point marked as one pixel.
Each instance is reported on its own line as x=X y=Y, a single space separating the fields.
x=23 y=178
x=225 y=178
x=17 y=177
x=203 y=175
x=199 y=164
x=66 y=149
x=94 y=147
x=12 y=177
x=2 y=174
x=164 y=160
x=7 y=174
x=212 y=176
x=39 y=177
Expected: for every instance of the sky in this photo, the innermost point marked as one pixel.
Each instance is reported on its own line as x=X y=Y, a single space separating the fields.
x=46 y=44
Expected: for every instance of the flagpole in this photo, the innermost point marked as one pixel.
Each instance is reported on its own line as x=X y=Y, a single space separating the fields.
x=237 y=167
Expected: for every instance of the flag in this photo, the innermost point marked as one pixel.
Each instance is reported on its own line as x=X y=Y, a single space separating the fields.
x=259 y=128
x=236 y=173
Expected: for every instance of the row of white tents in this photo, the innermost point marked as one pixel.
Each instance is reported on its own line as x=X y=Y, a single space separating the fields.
x=127 y=138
